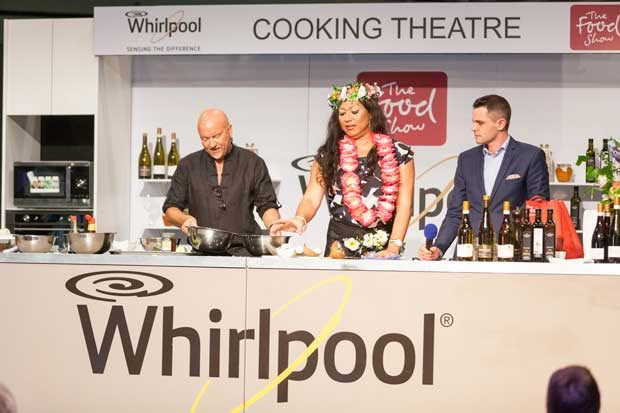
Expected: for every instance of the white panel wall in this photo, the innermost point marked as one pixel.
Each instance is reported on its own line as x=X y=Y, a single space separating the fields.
x=279 y=102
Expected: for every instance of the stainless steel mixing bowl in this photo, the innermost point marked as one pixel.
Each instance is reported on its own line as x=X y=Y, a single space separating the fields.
x=209 y=239
x=90 y=242
x=34 y=243
x=259 y=244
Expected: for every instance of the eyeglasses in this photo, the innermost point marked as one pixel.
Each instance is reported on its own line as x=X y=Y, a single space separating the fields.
x=217 y=190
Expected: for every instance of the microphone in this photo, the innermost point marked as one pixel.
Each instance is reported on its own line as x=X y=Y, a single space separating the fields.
x=430 y=232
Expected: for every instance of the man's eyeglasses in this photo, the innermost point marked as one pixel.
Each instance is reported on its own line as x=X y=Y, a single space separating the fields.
x=217 y=190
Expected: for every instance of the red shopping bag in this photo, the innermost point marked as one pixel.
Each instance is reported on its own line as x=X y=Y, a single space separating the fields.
x=566 y=238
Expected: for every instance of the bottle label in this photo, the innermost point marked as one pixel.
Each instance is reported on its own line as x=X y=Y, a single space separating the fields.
x=159 y=170
x=613 y=251
x=144 y=172
x=597 y=253
x=465 y=250
x=550 y=244
x=171 y=170
x=506 y=251
x=485 y=251
x=538 y=242
x=526 y=249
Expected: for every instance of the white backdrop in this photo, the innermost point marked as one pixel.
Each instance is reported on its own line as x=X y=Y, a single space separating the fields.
x=279 y=102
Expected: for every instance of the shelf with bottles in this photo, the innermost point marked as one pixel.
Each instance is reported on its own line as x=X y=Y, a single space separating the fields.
x=556 y=183
x=275 y=180
x=158 y=181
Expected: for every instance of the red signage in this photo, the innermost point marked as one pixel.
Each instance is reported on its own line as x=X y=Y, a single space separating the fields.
x=415 y=103
x=595 y=27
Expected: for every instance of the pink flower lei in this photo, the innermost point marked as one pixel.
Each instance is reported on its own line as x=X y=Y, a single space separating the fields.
x=350 y=180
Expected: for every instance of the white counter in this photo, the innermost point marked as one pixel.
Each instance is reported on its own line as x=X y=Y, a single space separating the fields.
x=568 y=267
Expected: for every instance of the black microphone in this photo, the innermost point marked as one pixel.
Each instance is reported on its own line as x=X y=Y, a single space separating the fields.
x=430 y=232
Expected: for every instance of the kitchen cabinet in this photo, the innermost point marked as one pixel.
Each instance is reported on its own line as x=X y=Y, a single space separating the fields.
x=50 y=67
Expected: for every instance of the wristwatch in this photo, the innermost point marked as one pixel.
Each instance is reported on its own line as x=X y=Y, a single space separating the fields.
x=397 y=242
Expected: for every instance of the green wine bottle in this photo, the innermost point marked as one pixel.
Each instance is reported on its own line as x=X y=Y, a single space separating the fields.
x=486 y=236
x=173 y=155
x=144 y=162
x=159 y=158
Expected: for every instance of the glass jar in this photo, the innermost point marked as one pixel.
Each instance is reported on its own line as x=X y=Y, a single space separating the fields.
x=564 y=172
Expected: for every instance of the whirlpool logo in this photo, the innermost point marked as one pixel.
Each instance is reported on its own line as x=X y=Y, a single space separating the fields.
x=111 y=286
x=139 y=22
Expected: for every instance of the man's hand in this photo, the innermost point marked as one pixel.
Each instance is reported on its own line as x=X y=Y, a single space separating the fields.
x=190 y=221
x=429 y=255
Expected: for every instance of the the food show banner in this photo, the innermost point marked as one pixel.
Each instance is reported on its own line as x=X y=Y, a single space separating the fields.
x=99 y=339
x=358 y=28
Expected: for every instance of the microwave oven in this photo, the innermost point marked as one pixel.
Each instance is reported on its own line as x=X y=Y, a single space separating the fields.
x=53 y=184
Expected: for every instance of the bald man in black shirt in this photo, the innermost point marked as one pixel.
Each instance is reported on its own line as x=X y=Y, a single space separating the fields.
x=221 y=185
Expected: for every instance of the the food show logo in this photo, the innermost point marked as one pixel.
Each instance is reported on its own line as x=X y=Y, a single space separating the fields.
x=415 y=103
x=139 y=22
x=216 y=333
x=595 y=27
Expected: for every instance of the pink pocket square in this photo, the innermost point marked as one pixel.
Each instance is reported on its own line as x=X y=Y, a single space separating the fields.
x=513 y=176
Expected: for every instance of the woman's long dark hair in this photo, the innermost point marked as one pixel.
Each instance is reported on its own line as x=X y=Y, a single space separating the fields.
x=328 y=155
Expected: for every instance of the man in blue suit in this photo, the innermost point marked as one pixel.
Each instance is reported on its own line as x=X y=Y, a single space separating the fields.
x=501 y=166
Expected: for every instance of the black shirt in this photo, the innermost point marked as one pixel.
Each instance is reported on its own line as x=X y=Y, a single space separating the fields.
x=230 y=206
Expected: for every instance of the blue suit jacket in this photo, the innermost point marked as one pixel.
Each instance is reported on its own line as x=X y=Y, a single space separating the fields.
x=524 y=164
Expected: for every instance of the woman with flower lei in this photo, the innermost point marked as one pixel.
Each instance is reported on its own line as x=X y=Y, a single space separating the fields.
x=366 y=175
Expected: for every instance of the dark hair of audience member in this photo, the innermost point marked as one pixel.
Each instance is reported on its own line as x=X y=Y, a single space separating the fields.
x=573 y=390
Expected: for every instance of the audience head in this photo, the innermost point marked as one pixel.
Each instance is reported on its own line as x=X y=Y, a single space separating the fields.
x=7 y=402
x=573 y=390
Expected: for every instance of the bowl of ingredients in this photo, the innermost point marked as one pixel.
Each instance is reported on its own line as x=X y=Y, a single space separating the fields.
x=264 y=244
x=209 y=239
x=34 y=243
x=90 y=242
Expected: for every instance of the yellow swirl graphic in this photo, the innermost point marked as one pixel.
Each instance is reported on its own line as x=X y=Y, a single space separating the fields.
x=334 y=320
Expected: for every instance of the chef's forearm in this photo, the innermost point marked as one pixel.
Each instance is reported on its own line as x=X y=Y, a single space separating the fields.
x=270 y=216
x=176 y=216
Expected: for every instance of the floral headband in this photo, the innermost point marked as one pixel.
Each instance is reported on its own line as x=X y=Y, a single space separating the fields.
x=353 y=92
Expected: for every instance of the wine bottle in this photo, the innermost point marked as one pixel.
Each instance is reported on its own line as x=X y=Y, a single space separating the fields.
x=486 y=236
x=604 y=155
x=173 y=155
x=518 y=226
x=465 y=237
x=590 y=159
x=159 y=158
x=144 y=161
x=538 y=252
x=527 y=237
x=506 y=237
x=549 y=236
x=613 y=251
x=599 y=243
x=575 y=208
x=607 y=215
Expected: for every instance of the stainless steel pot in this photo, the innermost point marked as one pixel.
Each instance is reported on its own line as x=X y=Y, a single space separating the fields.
x=209 y=239
x=90 y=242
x=264 y=244
x=34 y=243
